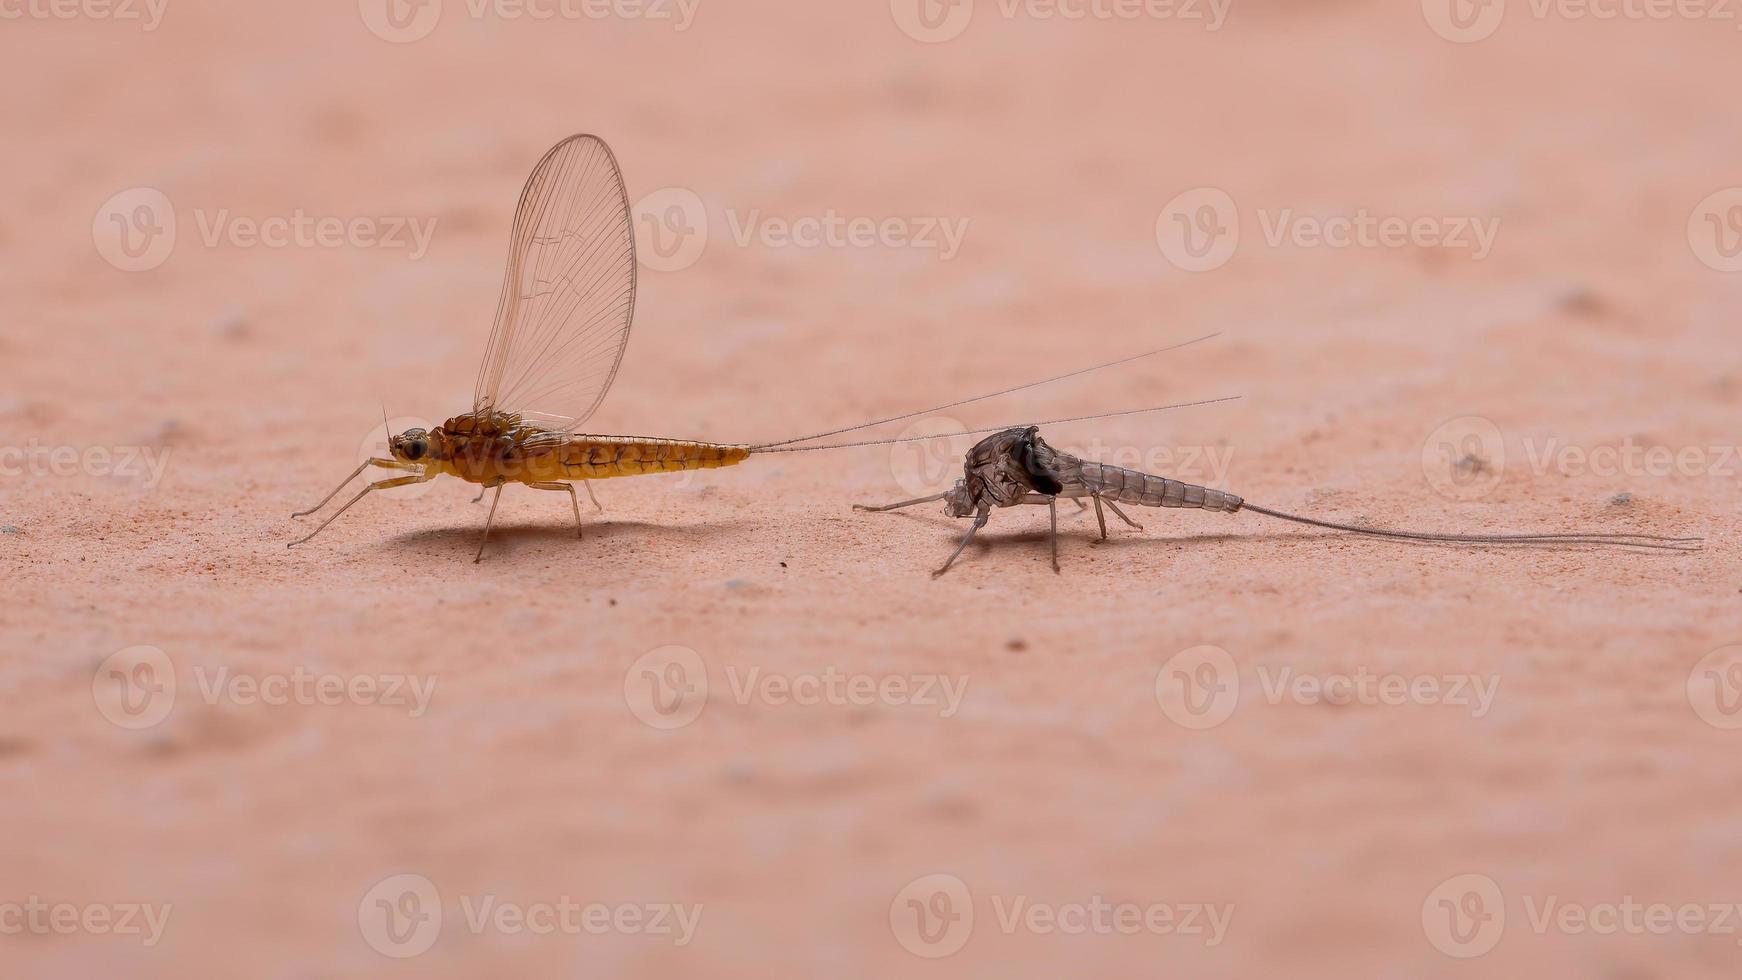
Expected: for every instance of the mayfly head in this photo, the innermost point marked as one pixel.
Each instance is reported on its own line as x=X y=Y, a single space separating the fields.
x=411 y=446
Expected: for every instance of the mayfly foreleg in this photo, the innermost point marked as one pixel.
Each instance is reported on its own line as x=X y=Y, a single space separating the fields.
x=383 y=485
x=570 y=487
x=390 y=464
x=904 y=503
x=488 y=523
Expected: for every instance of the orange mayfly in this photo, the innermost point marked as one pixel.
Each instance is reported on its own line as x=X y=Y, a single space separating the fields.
x=561 y=328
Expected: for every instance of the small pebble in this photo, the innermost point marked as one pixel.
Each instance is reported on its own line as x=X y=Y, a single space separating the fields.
x=9 y=529
x=1621 y=499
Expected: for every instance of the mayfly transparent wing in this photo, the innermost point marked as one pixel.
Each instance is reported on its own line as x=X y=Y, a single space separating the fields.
x=569 y=294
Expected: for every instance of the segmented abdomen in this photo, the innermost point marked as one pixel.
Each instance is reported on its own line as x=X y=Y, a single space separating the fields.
x=598 y=457
x=1134 y=487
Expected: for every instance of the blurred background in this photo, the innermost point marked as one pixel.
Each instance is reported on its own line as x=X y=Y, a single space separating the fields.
x=1473 y=266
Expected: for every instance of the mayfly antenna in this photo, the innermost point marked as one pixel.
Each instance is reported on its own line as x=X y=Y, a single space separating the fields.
x=995 y=428
x=769 y=447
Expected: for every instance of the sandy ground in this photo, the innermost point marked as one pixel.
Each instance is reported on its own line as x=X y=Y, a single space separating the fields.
x=738 y=695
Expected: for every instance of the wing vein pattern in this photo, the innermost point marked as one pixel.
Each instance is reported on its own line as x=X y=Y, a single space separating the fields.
x=568 y=298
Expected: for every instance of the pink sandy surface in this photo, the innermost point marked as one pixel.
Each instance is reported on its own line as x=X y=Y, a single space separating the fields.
x=1062 y=778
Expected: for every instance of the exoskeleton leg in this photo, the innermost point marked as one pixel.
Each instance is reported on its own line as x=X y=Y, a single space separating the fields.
x=570 y=487
x=1128 y=521
x=596 y=505
x=391 y=464
x=383 y=485
x=904 y=503
x=1052 y=510
x=488 y=522
x=1100 y=518
x=979 y=522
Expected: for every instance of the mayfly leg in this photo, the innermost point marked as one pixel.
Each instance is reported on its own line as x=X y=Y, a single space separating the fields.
x=390 y=464
x=488 y=523
x=383 y=485
x=584 y=486
x=570 y=487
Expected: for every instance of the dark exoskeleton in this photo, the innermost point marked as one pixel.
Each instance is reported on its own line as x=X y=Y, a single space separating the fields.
x=1015 y=466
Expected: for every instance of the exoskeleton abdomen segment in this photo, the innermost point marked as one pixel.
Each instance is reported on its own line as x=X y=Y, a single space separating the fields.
x=1134 y=487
